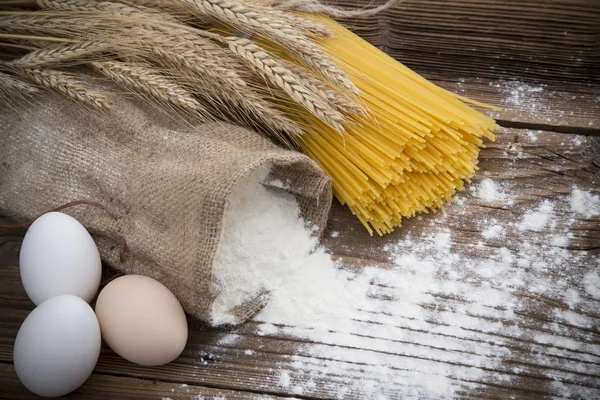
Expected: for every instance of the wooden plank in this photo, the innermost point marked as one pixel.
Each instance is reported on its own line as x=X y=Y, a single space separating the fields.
x=489 y=39
x=542 y=67
x=539 y=164
x=540 y=346
x=545 y=348
x=555 y=106
x=101 y=387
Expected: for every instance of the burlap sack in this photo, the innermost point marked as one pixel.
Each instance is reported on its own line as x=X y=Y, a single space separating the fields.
x=165 y=183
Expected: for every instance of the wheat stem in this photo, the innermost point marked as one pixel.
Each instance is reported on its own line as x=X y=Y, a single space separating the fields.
x=34 y=37
x=213 y=72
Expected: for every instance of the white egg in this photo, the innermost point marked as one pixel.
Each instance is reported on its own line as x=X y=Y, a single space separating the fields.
x=57 y=346
x=58 y=256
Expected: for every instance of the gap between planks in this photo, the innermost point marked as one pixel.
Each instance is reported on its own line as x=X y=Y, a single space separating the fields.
x=235 y=363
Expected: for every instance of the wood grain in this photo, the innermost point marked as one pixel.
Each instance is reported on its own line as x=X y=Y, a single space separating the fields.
x=532 y=104
x=247 y=363
x=490 y=39
x=540 y=61
x=101 y=386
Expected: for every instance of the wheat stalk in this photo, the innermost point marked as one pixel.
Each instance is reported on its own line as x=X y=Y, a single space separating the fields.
x=216 y=75
x=268 y=23
x=9 y=83
x=197 y=54
x=173 y=37
x=277 y=18
x=66 y=5
x=161 y=5
x=271 y=69
x=200 y=65
x=205 y=64
x=128 y=10
x=146 y=31
x=67 y=84
x=147 y=80
x=60 y=54
x=264 y=111
x=334 y=97
x=69 y=26
x=309 y=28
x=306 y=26
x=90 y=6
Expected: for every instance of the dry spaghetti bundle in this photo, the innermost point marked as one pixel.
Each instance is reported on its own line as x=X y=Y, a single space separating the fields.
x=393 y=143
x=414 y=150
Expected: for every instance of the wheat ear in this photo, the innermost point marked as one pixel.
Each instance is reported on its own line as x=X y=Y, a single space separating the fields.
x=66 y=5
x=128 y=10
x=268 y=23
x=215 y=73
x=271 y=69
x=9 y=83
x=40 y=24
x=277 y=18
x=67 y=84
x=223 y=84
x=141 y=78
x=333 y=96
x=310 y=28
x=161 y=5
x=90 y=5
x=60 y=54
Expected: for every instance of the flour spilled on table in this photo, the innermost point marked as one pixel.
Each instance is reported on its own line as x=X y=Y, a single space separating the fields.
x=442 y=318
x=556 y=107
x=488 y=190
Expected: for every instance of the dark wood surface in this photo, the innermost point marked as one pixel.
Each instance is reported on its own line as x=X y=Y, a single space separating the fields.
x=540 y=40
x=538 y=60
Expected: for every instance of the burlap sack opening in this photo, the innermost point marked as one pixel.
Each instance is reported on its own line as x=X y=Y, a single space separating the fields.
x=164 y=182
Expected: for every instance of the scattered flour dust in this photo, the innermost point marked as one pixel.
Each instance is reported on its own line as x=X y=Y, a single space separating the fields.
x=492 y=231
x=490 y=191
x=520 y=94
x=592 y=284
x=585 y=203
x=538 y=219
x=284 y=379
x=439 y=322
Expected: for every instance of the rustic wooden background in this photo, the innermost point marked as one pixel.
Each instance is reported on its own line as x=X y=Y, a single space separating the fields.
x=492 y=51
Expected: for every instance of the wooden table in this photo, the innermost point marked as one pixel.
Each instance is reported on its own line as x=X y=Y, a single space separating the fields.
x=541 y=62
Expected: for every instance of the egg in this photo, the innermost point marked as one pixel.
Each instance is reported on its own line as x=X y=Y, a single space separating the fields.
x=57 y=346
x=58 y=256
x=141 y=320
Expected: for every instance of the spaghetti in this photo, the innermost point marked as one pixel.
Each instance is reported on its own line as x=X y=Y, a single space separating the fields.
x=415 y=150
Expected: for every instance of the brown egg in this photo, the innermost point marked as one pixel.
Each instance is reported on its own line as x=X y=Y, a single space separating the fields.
x=141 y=320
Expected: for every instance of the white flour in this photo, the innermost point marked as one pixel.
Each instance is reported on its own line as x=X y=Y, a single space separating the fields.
x=264 y=237
x=490 y=192
x=521 y=95
x=538 y=219
x=585 y=203
x=439 y=320
x=547 y=105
